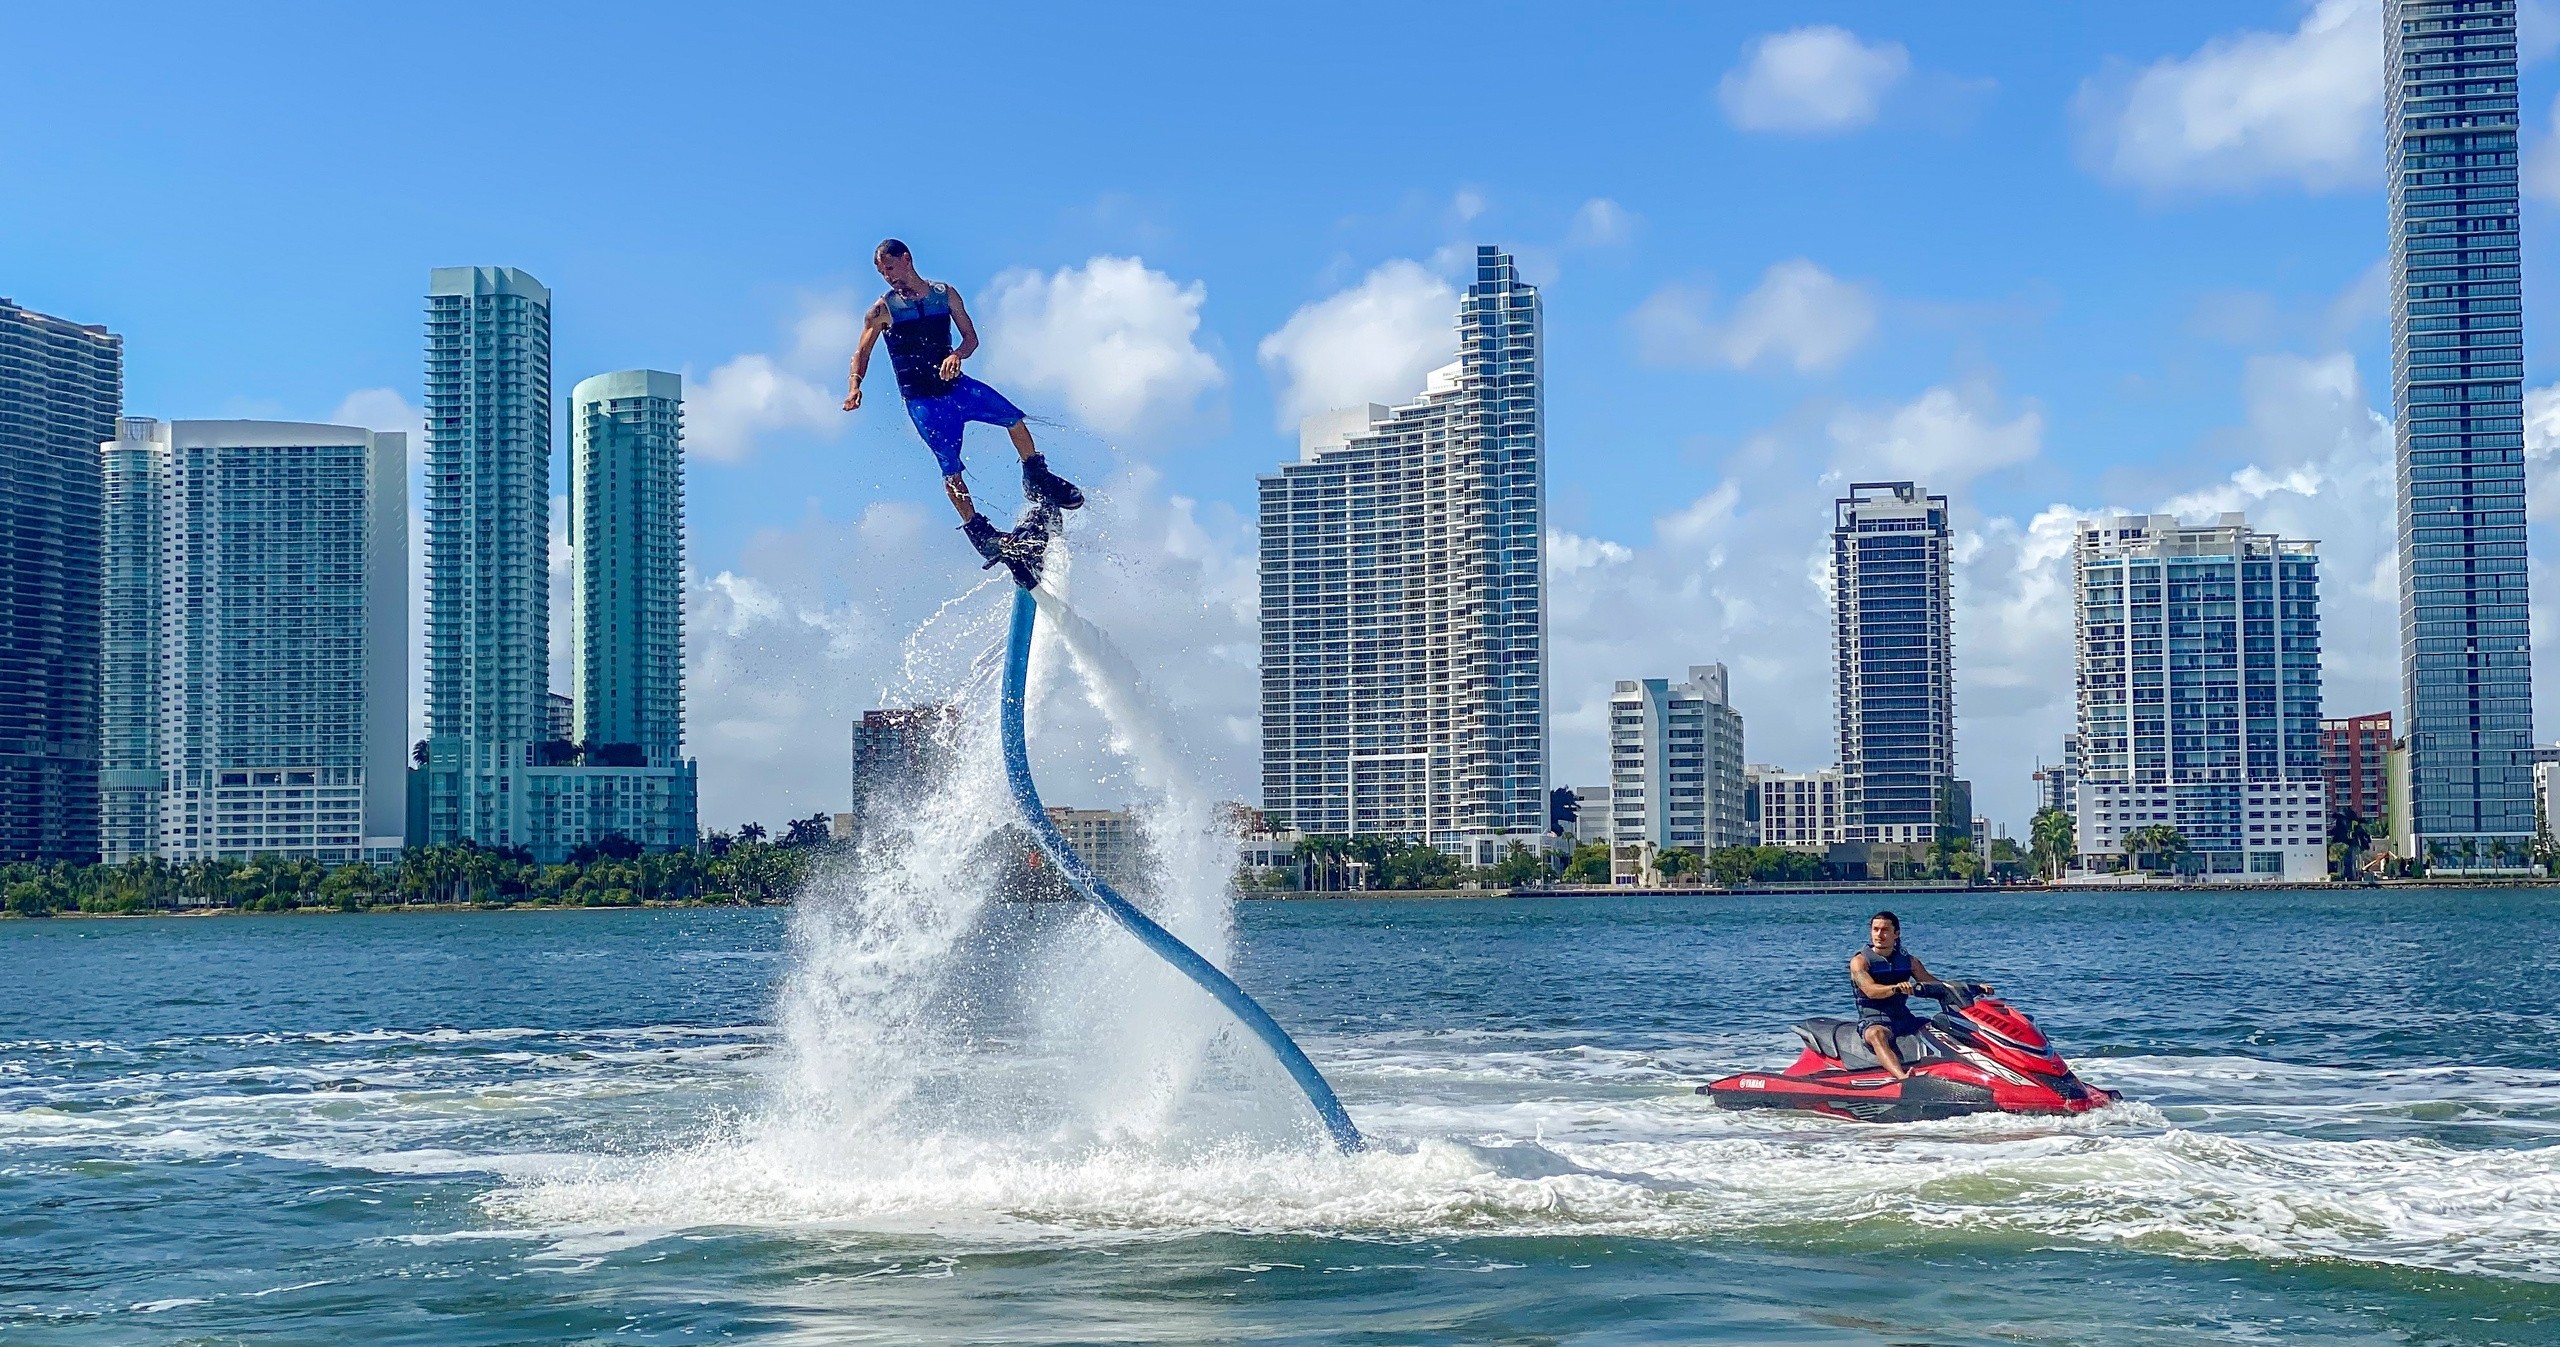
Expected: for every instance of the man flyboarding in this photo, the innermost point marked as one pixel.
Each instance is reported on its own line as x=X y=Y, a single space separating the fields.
x=917 y=316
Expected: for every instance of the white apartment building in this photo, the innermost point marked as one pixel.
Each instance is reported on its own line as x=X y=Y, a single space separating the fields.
x=1799 y=810
x=2199 y=673
x=1675 y=769
x=259 y=666
x=1404 y=671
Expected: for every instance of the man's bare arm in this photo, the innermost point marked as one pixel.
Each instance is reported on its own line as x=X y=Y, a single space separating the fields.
x=873 y=324
x=968 y=334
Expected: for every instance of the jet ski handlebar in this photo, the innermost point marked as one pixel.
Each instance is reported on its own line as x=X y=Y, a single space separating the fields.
x=1952 y=995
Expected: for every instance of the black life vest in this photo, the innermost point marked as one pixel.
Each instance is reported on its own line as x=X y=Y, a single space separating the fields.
x=1889 y=971
x=919 y=338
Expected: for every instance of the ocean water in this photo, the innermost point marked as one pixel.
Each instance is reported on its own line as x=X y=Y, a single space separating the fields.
x=893 y=1116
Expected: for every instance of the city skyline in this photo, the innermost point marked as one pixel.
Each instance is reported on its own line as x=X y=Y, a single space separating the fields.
x=496 y=771
x=2165 y=326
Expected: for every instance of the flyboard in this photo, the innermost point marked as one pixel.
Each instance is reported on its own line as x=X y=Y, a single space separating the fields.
x=1080 y=877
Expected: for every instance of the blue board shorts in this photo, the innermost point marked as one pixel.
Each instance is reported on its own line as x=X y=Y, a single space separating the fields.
x=941 y=420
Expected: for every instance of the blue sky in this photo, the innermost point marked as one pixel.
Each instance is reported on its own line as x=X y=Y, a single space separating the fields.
x=2053 y=259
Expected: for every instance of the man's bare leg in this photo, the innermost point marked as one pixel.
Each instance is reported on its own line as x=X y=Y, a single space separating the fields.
x=1022 y=445
x=1880 y=1039
x=957 y=488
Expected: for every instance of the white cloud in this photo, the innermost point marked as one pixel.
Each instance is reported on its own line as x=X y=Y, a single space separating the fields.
x=817 y=621
x=2537 y=30
x=1371 y=343
x=1112 y=338
x=751 y=394
x=1799 y=316
x=1942 y=439
x=1601 y=223
x=2542 y=159
x=383 y=409
x=2246 y=109
x=1568 y=552
x=755 y=394
x=2542 y=453
x=1814 y=79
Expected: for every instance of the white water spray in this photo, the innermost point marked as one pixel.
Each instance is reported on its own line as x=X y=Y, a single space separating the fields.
x=927 y=1012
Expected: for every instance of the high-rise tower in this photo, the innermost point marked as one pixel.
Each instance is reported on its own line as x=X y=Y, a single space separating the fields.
x=624 y=779
x=257 y=682
x=488 y=545
x=1893 y=628
x=61 y=386
x=1403 y=624
x=2457 y=355
x=129 y=668
x=626 y=541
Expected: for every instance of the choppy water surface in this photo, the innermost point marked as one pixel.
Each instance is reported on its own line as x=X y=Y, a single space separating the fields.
x=687 y=1125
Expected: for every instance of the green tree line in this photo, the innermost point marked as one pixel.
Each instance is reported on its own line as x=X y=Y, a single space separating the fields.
x=743 y=867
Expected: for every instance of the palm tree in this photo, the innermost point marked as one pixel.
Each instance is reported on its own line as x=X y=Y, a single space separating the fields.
x=2052 y=837
x=2157 y=839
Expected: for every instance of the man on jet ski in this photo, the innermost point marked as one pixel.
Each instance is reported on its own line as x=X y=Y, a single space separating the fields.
x=1884 y=974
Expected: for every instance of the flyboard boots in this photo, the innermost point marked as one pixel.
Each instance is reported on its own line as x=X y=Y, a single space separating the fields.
x=1043 y=487
x=1024 y=550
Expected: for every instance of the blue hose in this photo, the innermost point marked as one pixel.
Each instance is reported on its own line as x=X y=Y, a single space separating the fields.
x=1026 y=798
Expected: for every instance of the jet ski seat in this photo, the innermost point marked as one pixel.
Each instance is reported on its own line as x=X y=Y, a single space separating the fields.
x=1840 y=1041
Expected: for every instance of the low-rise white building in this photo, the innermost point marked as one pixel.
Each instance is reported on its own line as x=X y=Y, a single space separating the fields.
x=1798 y=810
x=1675 y=769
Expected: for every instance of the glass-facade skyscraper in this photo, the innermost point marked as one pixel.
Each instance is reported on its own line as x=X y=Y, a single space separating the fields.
x=626 y=635
x=61 y=388
x=1403 y=619
x=488 y=548
x=2199 y=675
x=1893 y=631
x=129 y=666
x=2457 y=354
x=626 y=547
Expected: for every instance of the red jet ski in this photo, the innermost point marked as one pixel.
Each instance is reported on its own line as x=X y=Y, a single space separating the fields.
x=1977 y=1055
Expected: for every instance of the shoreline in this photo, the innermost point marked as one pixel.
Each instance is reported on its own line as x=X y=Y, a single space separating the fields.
x=377 y=909
x=1371 y=895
